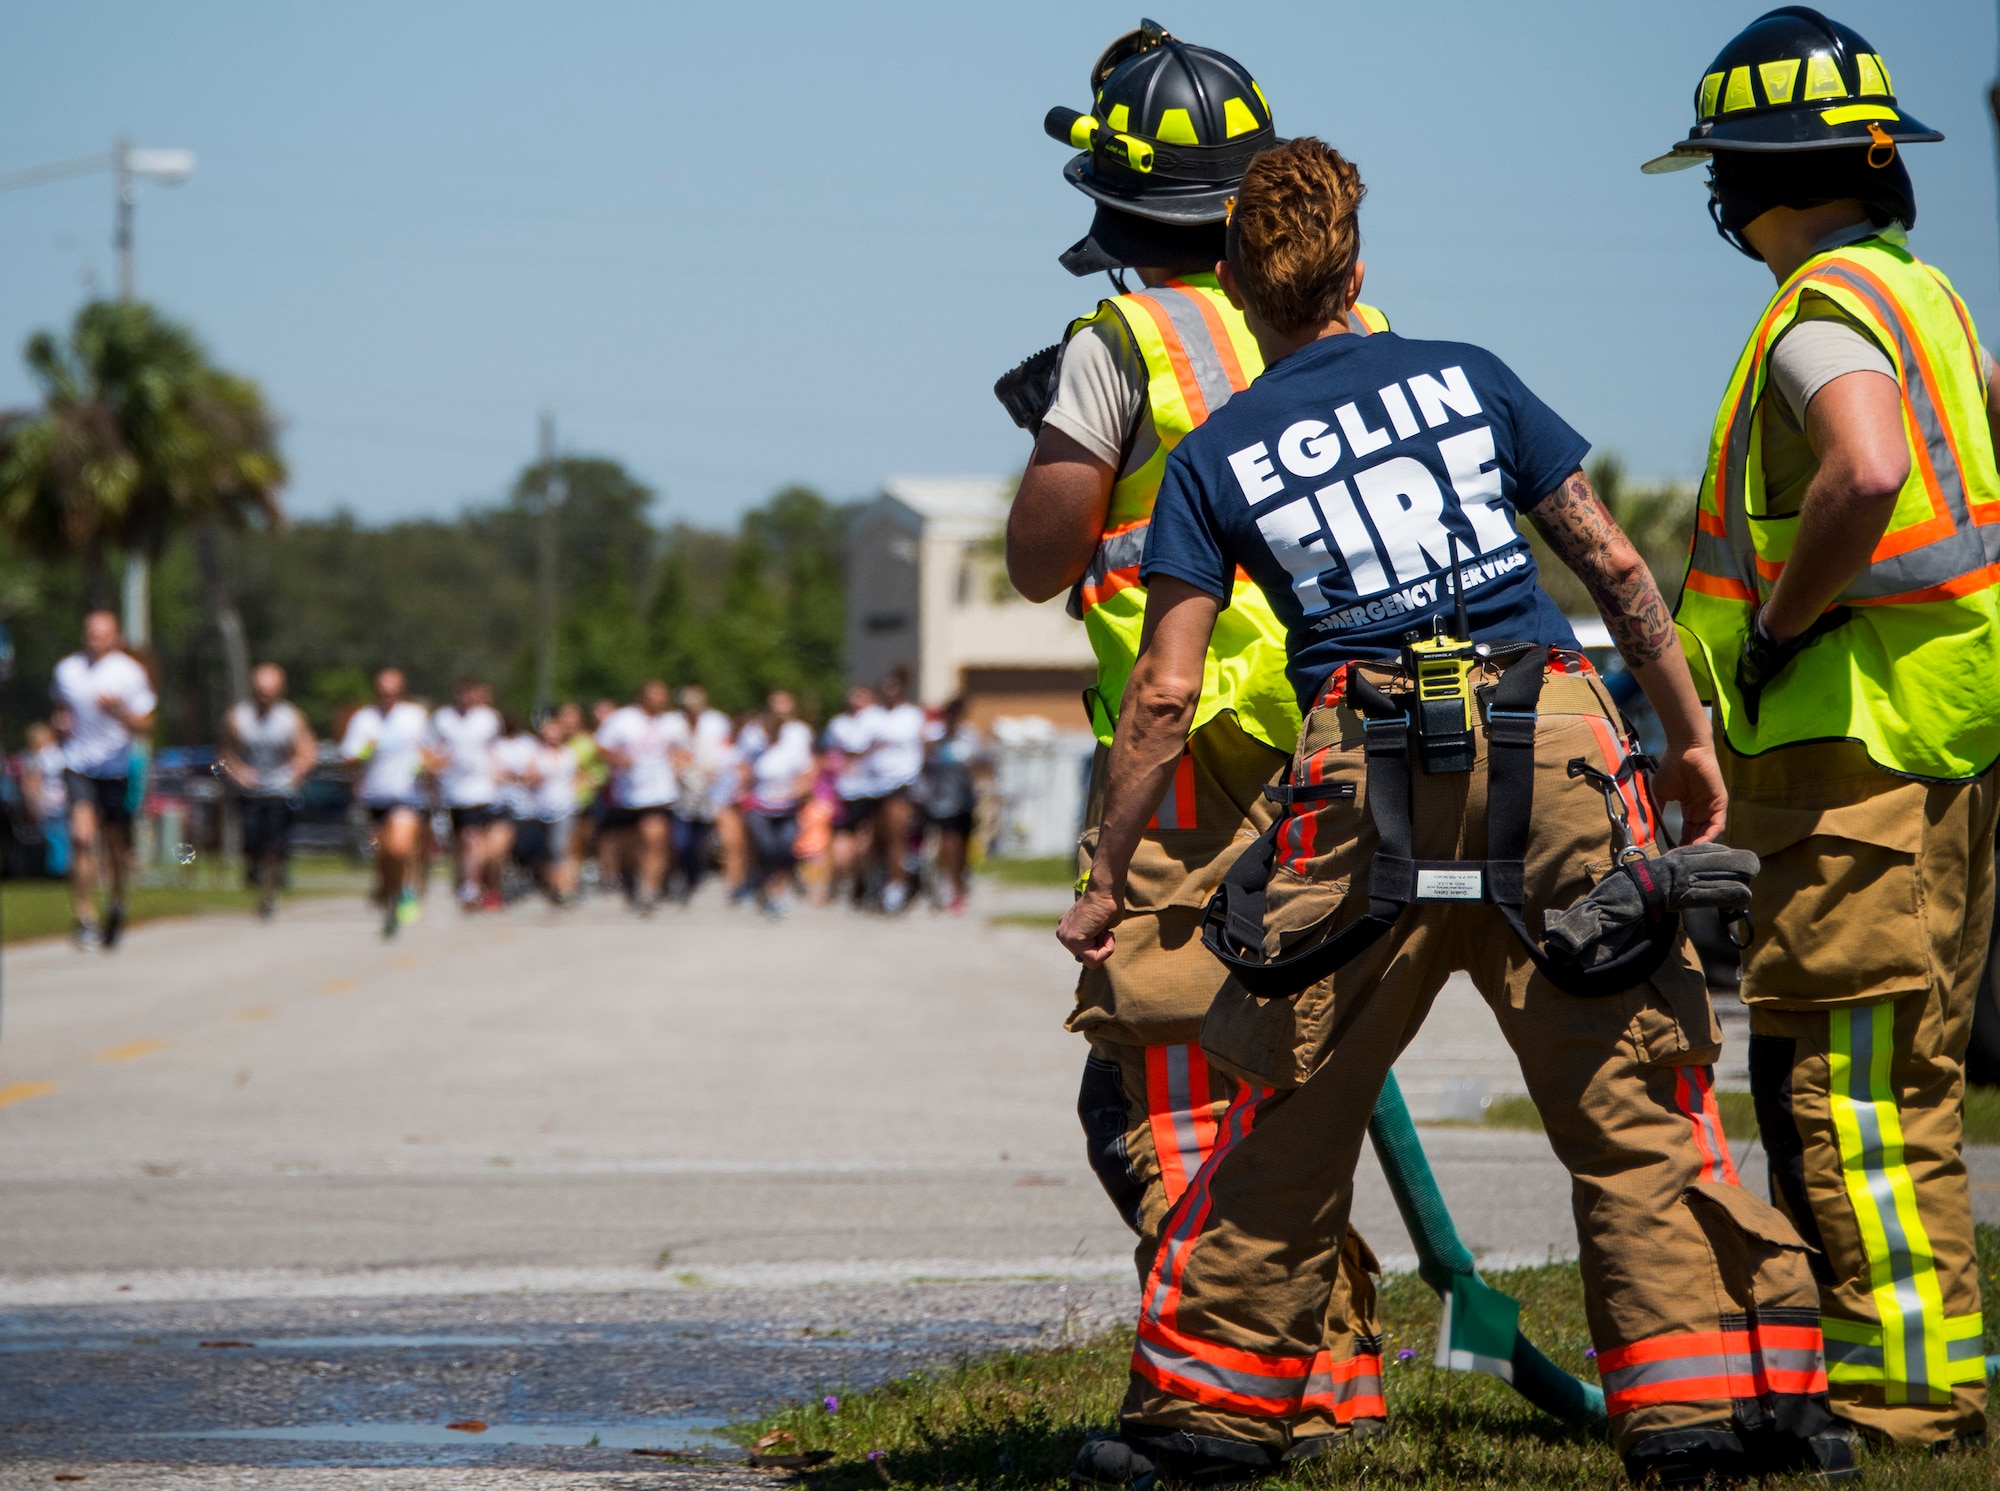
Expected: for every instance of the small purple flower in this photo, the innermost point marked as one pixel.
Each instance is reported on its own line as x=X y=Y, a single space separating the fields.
x=830 y=1403
x=1406 y=1355
x=878 y=1454
x=1590 y=1353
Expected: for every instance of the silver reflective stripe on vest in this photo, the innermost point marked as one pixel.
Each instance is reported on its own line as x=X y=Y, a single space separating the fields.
x=1962 y=552
x=1123 y=550
x=1204 y=358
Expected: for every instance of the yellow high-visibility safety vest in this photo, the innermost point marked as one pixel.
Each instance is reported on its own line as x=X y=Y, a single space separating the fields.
x=1198 y=352
x=1915 y=675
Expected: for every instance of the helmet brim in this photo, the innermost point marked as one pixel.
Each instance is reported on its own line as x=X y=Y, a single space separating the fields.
x=1163 y=203
x=1794 y=129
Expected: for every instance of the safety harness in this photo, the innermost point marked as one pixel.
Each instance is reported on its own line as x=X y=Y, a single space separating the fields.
x=1233 y=928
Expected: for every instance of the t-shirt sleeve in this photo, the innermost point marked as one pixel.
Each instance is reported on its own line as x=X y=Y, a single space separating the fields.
x=1812 y=353
x=1546 y=449
x=357 y=739
x=1100 y=391
x=139 y=696
x=1182 y=540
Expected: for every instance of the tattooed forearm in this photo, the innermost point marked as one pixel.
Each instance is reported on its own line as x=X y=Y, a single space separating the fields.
x=1585 y=538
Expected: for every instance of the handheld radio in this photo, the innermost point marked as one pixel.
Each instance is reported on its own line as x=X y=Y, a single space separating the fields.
x=1446 y=714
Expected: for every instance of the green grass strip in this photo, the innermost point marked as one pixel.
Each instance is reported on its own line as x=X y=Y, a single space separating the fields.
x=1014 y=1420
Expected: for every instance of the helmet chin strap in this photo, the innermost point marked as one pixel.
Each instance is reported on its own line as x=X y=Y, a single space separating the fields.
x=1117 y=277
x=1728 y=234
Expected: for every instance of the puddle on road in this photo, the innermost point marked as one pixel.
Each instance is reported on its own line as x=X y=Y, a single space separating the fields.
x=647 y=1434
x=279 y=1343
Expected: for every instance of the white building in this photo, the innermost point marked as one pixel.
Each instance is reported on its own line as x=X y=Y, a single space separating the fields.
x=927 y=590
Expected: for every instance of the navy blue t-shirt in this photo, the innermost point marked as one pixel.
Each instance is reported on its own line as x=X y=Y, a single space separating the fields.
x=1333 y=480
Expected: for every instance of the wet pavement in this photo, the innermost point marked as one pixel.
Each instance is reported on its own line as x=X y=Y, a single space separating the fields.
x=569 y=1383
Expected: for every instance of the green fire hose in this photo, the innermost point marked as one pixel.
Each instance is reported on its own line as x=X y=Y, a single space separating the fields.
x=1476 y=1316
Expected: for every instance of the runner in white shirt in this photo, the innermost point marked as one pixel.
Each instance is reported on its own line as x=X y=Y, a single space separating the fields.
x=894 y=761
x=511 y=759
x=850 y=734
x=459 y=751
x=543 y=771
x=777 y=753
x=268 y=750
x=109 y=700
x=388 y=737
x=640 y=742
x=702 y=769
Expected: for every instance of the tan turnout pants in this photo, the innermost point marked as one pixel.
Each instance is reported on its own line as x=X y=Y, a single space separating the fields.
x=1151 y=1104
x=1700 y=1302
x=1872 y=915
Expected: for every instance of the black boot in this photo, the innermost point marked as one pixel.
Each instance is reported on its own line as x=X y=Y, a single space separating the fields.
x=1688 y=1457
x=1140 y=1458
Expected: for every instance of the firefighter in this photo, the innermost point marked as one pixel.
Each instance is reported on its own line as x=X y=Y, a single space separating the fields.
x=1840 y=613
x=1369 y=487
x=1170 y=130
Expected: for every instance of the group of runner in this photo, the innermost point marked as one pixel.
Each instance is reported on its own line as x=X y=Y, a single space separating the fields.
x=654 y=793
x=644 y=798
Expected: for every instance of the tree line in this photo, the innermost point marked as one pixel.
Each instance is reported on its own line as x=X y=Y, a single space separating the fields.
x=142 y=449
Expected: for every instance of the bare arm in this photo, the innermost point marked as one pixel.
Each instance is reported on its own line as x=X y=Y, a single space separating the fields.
x=1585 y=538
x=305 y=751
x=1057 y=517
x=232 y=755
x=1855 y=425
x=1153 y=725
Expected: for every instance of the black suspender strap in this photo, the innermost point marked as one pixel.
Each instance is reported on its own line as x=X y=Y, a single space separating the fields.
x=1233 y=928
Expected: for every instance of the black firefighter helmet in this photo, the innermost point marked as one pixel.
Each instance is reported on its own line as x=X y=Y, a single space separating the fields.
x=1170 y=130
x=1794 y=80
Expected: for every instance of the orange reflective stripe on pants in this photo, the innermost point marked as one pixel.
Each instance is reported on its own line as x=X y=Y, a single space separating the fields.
x=1180 y=1112
x=1738 y=1362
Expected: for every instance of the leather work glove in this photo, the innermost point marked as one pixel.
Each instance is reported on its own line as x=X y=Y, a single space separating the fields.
x=1027 y=389
x=1763 y=659
x=1641 y=891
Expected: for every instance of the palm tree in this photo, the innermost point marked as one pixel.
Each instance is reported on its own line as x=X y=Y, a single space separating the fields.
x=139 y=437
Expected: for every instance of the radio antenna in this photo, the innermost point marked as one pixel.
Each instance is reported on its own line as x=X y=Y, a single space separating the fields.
x=1461 y=626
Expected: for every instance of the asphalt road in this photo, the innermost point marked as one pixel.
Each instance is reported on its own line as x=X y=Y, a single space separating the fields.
x=557 y=1148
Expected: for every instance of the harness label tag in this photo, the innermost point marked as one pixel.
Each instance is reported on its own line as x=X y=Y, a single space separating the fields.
x=1450 y=885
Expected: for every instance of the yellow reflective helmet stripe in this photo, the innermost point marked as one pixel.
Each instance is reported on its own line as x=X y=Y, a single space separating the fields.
x=1120 y=118
x=1823 y=78
x=1926 y=609
x=1176 y=128
x=1237 y=118
x=1711 y=90
x=1871 y=77
x=1887 y=81
x=1849 y=113
x=1738 y=94
x=1779 y=78
x=1903 y=1280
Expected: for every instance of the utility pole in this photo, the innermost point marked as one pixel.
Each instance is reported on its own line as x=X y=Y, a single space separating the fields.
x=128 y=193
x=138 y=598
x=554 y=489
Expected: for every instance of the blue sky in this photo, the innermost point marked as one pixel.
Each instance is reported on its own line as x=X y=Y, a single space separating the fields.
x=739 y=246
